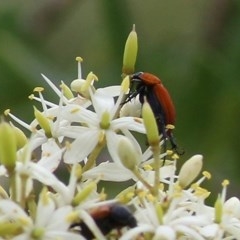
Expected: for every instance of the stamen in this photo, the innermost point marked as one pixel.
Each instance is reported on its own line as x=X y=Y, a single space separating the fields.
x=19 y=121
x=49 y=104
x=79 y=60
x=54 y=88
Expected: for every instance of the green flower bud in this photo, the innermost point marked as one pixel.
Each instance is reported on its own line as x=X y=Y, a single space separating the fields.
x=130 y=53
x=150 y=125
x=20 y=137
x=84 y=193
x=77 y=84
x=66 y=91
x=43 y=122
x=218 y=206
x=127 y=153
x=125 y=84
x=82 y=86
x=8 y=146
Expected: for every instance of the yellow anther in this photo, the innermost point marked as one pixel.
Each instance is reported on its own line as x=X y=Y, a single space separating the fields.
x=150 y=198
x=147 y=167
x=79 y=59
x=175 y=156
x=38 y=89
x=75 y=110
x=31 y=96
x=202 y=192
x=6 y=112
x=207 y=174
x=225 y=182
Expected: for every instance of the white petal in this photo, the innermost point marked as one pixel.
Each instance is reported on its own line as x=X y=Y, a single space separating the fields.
x=73 y=131
x=108 y=172
x=137 y=231
x=112 y=91
x=51 y=155
x=210 y=231
x=75 y=113
x=192 y=234
x=58 y=220
x=63 y=235
x=11 y=211
x=46 y=177
x=81 y=147
x=129 y=123
x=112 y=144
x=44 y=212
x=232 y=207
x=102 y=103
x=164 y=233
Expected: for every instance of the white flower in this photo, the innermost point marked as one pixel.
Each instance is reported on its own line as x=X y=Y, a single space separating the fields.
x=96 y=127
x=50 y=222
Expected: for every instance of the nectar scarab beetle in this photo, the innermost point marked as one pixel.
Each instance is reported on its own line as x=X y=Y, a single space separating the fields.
x=149 y=86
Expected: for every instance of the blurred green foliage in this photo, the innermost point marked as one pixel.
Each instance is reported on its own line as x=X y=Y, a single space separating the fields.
x=193 y=46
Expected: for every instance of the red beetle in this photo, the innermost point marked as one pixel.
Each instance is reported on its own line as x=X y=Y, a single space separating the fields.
x=107 y=218
x=149 y=86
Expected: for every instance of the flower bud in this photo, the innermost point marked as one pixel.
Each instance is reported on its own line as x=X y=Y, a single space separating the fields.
x=232 y=207
x=127 y=153
x=43 y=122
x=190 y=170
x=84 y=193
x=20 y=137
x=66 y=91
x=8 y=146
x=150 y=124
x=218 y=206
x=130 y=53
x=82 y=86
x=125 y=84
x=77 y=84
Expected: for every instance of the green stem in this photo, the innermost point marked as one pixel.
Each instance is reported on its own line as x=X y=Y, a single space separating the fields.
x=143 y=181
x=157 y=166
x=12 y=183
x=94 y=154
x=23 y=190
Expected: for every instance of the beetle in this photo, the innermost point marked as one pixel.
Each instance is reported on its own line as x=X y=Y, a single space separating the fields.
x=149 y=86
x=107 y=218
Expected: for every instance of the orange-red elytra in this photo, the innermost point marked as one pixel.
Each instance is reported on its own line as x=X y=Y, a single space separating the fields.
x=107 y=218
x=149 y=86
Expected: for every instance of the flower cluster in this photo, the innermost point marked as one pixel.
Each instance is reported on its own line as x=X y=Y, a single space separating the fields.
x=65 y=142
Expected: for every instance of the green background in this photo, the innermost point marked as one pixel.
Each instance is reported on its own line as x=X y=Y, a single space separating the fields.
x=193 y=46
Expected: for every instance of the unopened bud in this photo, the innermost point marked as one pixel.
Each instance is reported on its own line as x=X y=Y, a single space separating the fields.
x=84 y=193
x=66 y=91
x=8 y=146
x=20 y=137
x=127 y=153
x=232 y=207
x=130 y=53
x=218 y=206
x=190 y=170
x=150 y=124
x=43 y=122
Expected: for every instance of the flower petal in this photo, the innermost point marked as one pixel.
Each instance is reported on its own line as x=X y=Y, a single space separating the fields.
x=107 y=171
